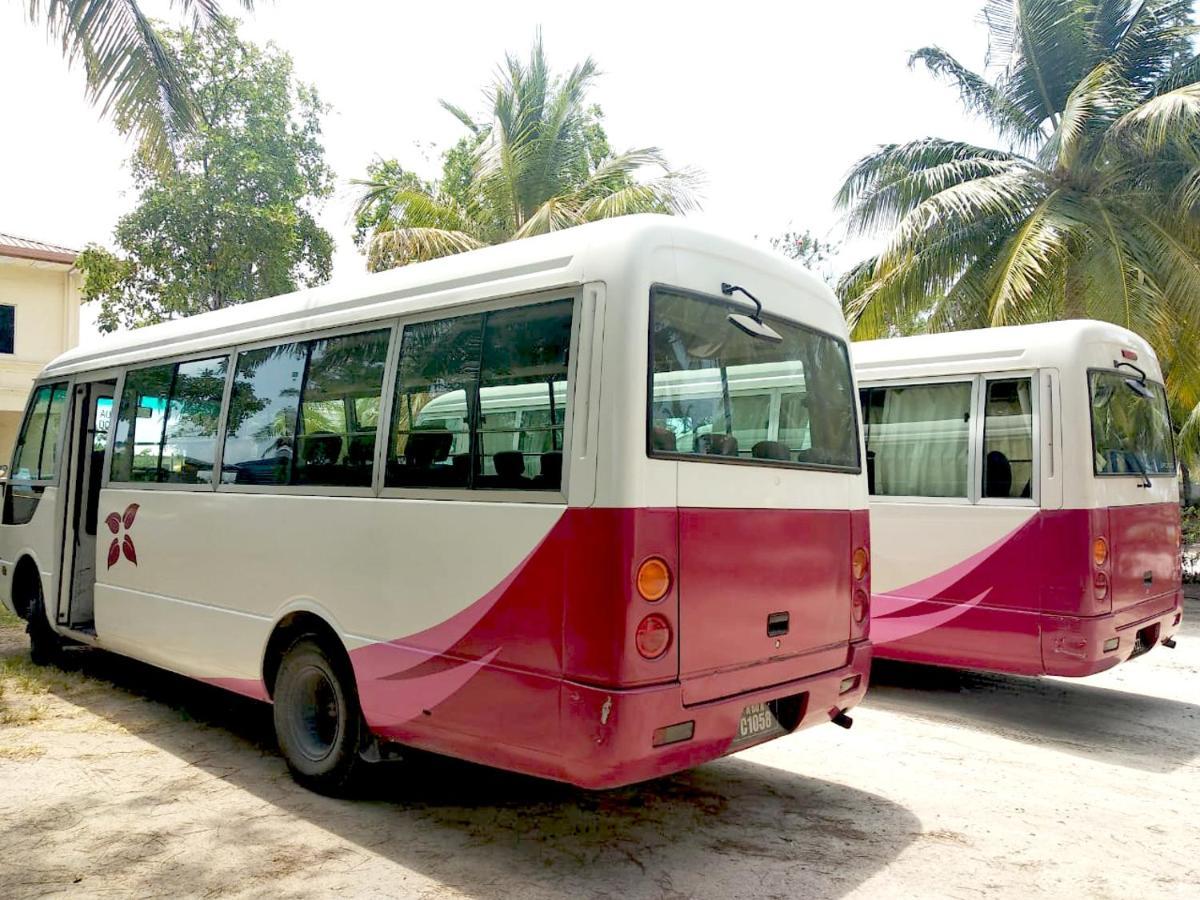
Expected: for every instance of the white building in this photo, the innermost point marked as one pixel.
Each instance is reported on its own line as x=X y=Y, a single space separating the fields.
x=39 y=319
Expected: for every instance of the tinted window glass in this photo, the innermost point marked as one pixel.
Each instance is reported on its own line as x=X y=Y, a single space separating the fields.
x=481 y=400
x=345 y=376
x=716 y=391
x=36 y=455
x=1008 y=439
x=167 y=422
x=917 y=439
x=522 y=391
x=8 y=321
x=436 y=385
x=140 y=424
x=263 y=410
x=1131 y=428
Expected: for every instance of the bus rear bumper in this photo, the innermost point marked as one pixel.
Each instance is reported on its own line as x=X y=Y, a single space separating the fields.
x=1077 y=646
x=609 y=736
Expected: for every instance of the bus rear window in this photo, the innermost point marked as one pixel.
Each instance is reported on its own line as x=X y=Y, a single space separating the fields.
x=718 y=394
x=1131 y=429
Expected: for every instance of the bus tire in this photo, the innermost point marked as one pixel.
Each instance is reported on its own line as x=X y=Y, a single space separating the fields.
x=45 y=646
x=318 y=721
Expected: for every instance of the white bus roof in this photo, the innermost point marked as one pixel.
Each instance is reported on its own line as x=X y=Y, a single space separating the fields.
x=565 y=258
x=1066 y=344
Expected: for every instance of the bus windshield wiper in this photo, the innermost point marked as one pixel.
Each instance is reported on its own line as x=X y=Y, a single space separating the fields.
x=1131 y=457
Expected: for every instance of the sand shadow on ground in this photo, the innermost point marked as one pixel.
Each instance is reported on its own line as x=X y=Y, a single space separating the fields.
x=1136 y=731
x=729 y=828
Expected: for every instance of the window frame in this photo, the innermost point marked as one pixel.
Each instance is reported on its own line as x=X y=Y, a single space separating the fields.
x=395 y=325
x=975 y=437
x=574 y=294
x=68 y=382
x=307 y=490
x=119 y=392
x=764 y=464
x=1174 y=473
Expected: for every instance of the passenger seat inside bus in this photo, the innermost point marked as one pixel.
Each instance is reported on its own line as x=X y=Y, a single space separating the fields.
x=997 y=475
x=717 y=445
x=510 y=468
x=771 y=450
x=550 y=477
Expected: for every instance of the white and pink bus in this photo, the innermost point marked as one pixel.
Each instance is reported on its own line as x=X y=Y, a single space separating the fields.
x=1025 y=507
x=521 y=506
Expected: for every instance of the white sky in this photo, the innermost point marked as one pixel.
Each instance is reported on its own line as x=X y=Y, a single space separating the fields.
x=773 y=101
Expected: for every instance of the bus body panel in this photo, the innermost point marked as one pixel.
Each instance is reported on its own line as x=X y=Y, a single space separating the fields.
x=1012 y=585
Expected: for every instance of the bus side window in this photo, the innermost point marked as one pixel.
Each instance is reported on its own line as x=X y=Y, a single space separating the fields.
x=918 y=438
x=481 y=400
x=167 y=422
x=1008 y=440
x=35 y=458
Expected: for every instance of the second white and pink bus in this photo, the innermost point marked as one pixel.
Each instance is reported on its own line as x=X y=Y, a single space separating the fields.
x=517 y=506
x=1024 y=500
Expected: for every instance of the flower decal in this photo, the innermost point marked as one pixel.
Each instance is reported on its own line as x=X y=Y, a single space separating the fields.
x=121 y=543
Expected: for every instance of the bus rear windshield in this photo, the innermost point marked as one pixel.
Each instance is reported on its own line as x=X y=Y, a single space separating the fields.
x=718 y=394
x=1131 y=430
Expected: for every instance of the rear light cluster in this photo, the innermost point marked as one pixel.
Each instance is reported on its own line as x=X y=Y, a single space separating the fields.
x=1100 y=560
x=653 y=582
x=860 y=567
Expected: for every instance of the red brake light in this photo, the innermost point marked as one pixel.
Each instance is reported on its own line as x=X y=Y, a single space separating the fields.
x=1129 y=354
x=1100 y=585
x=653 y=636
x=861 y=606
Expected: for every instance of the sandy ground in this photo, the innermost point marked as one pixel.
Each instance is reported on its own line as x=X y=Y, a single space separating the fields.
x=118 y=779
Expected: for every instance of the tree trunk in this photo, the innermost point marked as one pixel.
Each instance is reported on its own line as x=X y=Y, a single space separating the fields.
x=1074 y=295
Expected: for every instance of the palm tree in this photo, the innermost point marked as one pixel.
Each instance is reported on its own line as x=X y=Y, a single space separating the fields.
x=1091 y=210
x=538 y=163
x=131 y=74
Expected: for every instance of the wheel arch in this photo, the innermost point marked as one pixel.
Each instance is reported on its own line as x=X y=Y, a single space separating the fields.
x=26 y=579
x=290 y=628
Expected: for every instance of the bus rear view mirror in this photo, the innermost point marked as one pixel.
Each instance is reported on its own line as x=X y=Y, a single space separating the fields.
x=756 y=328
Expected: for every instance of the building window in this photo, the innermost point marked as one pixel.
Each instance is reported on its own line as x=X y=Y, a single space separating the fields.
x=8 y=328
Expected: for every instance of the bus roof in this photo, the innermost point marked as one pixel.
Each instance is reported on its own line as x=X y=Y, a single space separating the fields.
x=564 y=258
x=1013 y=347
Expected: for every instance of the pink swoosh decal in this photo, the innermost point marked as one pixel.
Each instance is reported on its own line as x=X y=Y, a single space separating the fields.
x=886 y=630
x=393 y=701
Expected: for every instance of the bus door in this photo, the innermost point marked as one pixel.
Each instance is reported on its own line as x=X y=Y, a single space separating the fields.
x=91 y=417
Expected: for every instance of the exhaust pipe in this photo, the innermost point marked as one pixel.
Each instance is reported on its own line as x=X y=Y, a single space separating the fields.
x=842 y=719
x=1169 y=643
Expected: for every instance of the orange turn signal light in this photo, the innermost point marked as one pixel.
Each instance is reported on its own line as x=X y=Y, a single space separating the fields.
x=859 y=563
x=653 y=579
x=1099 y=551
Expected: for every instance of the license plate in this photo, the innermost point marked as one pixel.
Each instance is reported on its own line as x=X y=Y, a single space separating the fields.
x=758 y=721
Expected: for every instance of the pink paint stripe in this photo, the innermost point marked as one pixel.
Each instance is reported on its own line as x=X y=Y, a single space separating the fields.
x=886 y=631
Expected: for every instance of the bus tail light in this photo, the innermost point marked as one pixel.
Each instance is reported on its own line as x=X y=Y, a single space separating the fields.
x=653 y=579
x=1100 y=585
x=860 y=563
x=861 y=606
x=653 y=636
x=1099 y=551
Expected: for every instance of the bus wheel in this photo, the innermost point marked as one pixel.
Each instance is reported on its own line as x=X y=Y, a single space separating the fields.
x=45 y=646
x=318 y=722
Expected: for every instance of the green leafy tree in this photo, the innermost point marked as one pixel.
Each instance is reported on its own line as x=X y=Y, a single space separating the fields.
x=539 y=161
x=1092 y=208
x=809 y=250
x=232 y=220
x=131 y=72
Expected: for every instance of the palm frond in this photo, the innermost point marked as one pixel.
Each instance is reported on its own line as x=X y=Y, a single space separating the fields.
x=1173 y=116
x=408 y=245
x=130 y=74
x=980 y=96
